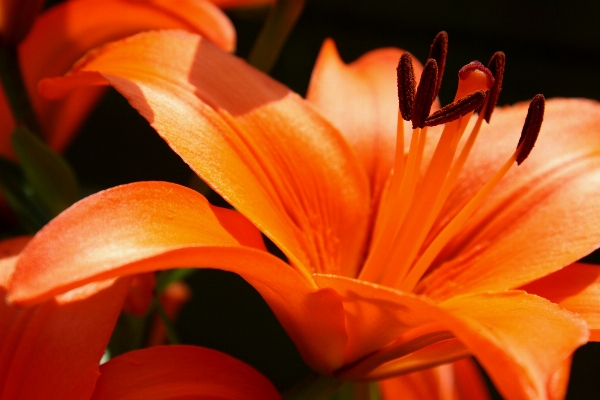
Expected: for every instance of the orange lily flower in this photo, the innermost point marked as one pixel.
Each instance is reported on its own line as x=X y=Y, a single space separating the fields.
x=53 y=351
x=65 y=32
x=451 y=286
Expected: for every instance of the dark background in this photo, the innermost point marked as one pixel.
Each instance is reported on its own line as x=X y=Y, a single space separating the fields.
x=552 y=47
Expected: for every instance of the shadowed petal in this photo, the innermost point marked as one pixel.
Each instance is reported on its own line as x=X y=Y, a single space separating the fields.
x=259 y=145
x=541 y=217
x=53 y=350
x=151 y=226
x=361 y=99
x=64 y=33
x=169 y=372
x=460 y=380
x=575 y=288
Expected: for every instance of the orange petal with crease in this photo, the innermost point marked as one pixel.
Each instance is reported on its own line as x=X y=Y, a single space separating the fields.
x=460 y=380
x=540 y=217
x=169 y=372
x=575 y=288
x=151 y=226
x=53 y=350
x=237 y=138
x=64 y=33
x=361 y=99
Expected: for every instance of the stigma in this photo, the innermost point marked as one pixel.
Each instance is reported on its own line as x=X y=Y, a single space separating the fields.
x=408 y=233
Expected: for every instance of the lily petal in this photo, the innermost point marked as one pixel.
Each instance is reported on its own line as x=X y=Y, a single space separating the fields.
x=152 y=226
x=540 y=218
x=575 y=288
x=168 y=372
x=56 y=344
x=65 y=32
x=262 y=147
x=375 y=315
x=361 y=100
x=521 y=340
x=460 y=380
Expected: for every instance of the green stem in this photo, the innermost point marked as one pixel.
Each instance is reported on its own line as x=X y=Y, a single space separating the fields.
x=317 y=387
x=14 y=87
x=279 y=24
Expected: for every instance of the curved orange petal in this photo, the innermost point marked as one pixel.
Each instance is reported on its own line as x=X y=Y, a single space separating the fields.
x=169 y=372
x=52 y=350
x=265 y=150
x=361 y=99
x=67 y=31
x=522 y=340
x=575 y=288
x=375 y=315
x=543 y=215
x=460 y=380
x=151 y=226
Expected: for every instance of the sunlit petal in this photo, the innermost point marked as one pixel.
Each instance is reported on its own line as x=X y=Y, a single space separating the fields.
x=540 y=218
x=152 y=226
x=361 y=99
x=254 y=141
x=53 y=350
x=575 y=288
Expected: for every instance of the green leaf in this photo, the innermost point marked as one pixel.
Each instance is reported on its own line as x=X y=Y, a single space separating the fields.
x=53 y=182
x=18 y=195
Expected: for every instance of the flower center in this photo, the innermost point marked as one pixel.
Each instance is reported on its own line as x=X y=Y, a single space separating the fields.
x=408 y=233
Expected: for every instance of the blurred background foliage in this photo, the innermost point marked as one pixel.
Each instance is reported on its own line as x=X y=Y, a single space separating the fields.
x=552 y=47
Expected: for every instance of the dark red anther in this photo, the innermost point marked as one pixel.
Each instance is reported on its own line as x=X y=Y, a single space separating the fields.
x=457 y=108
x=438 y=51
x=426 y=94
x=532 y=126
x=406 y=86
x=496 y=66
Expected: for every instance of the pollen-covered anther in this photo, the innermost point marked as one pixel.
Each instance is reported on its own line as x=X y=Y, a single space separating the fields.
x=531 y=128
x=457 y=108
x=438 y=51
x=496 y=66
x=426 y=94
x=406 y=86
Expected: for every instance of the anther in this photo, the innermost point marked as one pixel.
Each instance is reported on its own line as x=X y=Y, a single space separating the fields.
x=457 y=108
x=406 y=86
x=426 y=93
x=532 y=126
x=438 y=51
x=496 y=66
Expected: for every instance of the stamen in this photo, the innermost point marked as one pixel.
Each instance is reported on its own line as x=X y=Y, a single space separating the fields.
x=426 y=93
x=438 y=51
x=457 y=108
x=496 y=66
x=532 y=126
x=406 y=85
